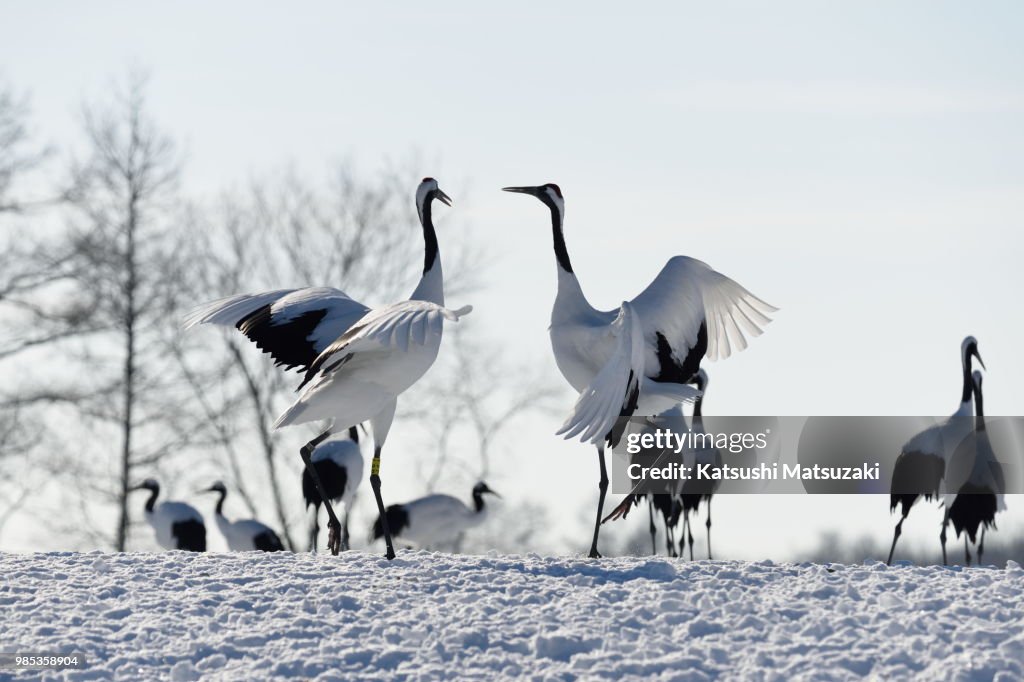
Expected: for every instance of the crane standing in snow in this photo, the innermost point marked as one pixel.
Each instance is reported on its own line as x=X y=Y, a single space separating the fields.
x=638 y=359
x=666 y=504
x=243 y=535
x=356 y=361
x=339 y=465
x=435 y=520
x=177 y=525
x=921 y=465
x=697 y=490
x=976 y=483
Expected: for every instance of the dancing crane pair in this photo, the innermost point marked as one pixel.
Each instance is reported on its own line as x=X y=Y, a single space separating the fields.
x=638 y=359
x=953 y=462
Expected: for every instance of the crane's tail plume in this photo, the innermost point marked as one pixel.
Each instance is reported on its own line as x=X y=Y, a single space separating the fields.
x=615 y=390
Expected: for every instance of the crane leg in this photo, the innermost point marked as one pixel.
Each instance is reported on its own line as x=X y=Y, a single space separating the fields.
x=344 y=531
x=981 y=545
x=967 y=551
x=602 y=486
x=942 y=537
x=670 y=540
x=332 y=524
x=314 y=530
x=689 y=537
x=653 y=530
x=707 y=525
x=682 y=536
x=896 y=536
x=375 y=484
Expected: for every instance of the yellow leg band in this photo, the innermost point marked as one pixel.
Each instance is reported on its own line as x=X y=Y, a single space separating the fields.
x=375 y=467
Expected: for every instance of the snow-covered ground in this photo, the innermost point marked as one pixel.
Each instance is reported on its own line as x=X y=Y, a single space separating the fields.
x=254 y=616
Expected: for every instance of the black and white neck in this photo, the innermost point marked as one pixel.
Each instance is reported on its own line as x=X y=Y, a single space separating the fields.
x=701 y=381
x=478 y=497
x=968 y=350
x=431 y=285
x=154 y=492
x=979 y=408
x=570 y=303
x=478 y=501
x=220 y=502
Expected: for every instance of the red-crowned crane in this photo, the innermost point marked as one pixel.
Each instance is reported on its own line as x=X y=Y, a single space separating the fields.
x=319 y=330
x=976 y=483
x=435 y=520
x=921 y=465
x=638 y=359
x=177 y=525
x=243 y=535
x=339 y=464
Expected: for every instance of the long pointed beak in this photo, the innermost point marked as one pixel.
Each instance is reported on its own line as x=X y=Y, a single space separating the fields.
x=522 y=190
x=444 y=198
x=492 y=492
x=980 y=361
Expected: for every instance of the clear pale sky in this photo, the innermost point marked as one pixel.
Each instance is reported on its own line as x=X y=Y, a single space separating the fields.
x=859 y=166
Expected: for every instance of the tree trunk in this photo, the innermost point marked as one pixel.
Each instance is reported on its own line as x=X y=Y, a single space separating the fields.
x=129 y=375
x=267 y=441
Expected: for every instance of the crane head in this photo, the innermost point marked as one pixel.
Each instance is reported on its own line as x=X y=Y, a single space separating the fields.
x=217 y=487
x=427 y=192
x=968 y=349
x=481 y=488
x=149 y=484
x=550 y=194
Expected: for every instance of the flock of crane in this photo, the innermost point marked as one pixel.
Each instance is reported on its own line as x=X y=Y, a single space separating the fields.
x=642 y=358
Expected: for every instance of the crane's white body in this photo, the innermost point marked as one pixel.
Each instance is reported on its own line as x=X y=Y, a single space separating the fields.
x=973 y=462
x=345 y=454
x=241 y=534
x=165 y=515
x=361 y=375
x=942 y=440
x=438 y=520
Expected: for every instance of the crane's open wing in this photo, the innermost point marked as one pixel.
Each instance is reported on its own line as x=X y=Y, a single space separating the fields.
x=396 y=326
x=615 y=390
x=292 y=325
x=688 y=293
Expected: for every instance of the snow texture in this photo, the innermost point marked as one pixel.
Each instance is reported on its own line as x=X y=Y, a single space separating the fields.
x=248 y=616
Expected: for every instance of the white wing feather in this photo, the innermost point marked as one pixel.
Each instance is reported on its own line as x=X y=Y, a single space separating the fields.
x=391 y=326
x=229 y=310
x=338 y=312
x=687 y=291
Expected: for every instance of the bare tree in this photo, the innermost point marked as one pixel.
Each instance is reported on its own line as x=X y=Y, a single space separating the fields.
x=127 y=263
x=475 y=396
x=33 y=313
x=19 y=155
x=106 y=284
